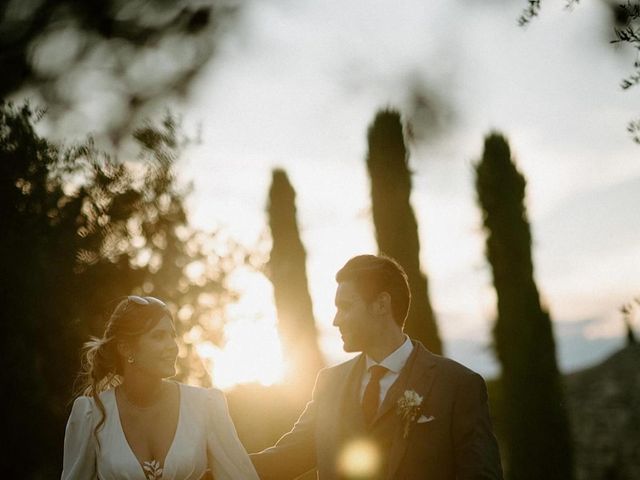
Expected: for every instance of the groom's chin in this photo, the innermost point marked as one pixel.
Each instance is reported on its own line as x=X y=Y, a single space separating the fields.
x=347 y=347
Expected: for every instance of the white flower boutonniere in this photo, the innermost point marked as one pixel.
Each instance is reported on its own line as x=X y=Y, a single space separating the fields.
x=409 y=407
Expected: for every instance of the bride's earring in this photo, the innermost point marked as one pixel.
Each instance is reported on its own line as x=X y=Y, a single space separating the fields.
x=130 y=359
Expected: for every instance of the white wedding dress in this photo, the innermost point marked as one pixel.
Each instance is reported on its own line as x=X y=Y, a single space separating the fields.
x=205 y=439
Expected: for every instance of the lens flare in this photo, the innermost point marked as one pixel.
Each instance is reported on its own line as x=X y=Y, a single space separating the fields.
x=359 y=459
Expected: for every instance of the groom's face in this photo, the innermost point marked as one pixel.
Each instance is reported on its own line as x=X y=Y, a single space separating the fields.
x=353 y=318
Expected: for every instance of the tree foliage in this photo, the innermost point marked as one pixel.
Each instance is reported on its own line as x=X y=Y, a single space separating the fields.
x=288 y=272
x=537 y=432
x=81 y=229
x=629 y=311
x=125 y=55
x=395 y=221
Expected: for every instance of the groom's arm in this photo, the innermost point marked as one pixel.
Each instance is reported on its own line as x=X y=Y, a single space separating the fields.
x=295 y=452
x=476 y=449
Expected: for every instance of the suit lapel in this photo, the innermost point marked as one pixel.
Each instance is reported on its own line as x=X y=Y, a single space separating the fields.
x=351 y=405
x=420 y=373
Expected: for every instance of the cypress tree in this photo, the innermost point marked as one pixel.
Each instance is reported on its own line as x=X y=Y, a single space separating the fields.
x=394 y=220
x=537 y=430
x=288 y=274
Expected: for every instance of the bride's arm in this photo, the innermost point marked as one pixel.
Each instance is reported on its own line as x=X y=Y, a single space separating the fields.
x=79 y=460
x=228 y=459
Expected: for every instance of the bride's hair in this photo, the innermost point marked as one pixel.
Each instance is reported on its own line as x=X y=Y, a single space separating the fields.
x=102 y=365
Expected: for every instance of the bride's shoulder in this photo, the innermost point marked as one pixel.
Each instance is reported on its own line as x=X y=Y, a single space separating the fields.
x=87 y=402
x=85 y=407
x=82 y=406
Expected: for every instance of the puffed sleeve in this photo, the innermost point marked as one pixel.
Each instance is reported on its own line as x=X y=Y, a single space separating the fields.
x=228 y=459
x=79 y=461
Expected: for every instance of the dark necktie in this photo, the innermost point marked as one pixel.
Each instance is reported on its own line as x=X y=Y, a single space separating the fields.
x=371 y=397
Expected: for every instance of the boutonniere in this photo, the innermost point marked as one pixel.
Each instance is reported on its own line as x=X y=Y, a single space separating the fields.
x=409 y=408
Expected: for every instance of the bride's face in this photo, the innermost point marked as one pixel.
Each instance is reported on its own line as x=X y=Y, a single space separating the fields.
x=156 y=351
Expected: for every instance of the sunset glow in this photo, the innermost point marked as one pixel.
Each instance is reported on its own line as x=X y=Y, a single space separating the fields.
x=252 y=350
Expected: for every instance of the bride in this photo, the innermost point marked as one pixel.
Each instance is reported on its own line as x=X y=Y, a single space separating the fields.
x=133 y=423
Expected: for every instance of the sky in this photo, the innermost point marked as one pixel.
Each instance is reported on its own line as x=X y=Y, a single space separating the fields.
x=295 y=84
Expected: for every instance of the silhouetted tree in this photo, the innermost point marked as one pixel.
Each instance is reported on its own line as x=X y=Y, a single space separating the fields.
x=80 y=229
x=536 y=425
x=395 y=222
x=141 y=51
x=288 y=273
x=628 y=310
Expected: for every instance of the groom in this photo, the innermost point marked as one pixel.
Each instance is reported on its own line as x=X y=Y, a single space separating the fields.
x=396 y=411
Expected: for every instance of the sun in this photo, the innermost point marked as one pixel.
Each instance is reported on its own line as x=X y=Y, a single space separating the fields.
x=252 y=352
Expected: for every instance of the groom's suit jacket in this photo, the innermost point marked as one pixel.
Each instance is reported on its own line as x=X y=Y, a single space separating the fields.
x=452 y=440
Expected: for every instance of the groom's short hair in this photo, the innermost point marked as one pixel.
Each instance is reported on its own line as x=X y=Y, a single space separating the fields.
x=373 y=274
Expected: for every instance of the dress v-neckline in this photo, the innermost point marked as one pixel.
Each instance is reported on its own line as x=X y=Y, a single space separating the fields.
x=126 y=441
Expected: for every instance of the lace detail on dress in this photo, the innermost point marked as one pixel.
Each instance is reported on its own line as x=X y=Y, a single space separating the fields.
x=152 y=470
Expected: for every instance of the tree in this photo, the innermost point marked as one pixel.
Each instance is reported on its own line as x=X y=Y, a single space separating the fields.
x=394 y=220
x=142 y=52
x=288 y=273
x=629 y=310
x=537 y=430
x=81 y=229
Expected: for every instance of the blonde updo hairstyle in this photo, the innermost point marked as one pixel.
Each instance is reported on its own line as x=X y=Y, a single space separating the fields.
x=102 y=364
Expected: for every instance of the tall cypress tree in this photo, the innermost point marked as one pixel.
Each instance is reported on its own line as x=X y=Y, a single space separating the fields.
x=395 y=222
x=288 y=274
x=537 y=430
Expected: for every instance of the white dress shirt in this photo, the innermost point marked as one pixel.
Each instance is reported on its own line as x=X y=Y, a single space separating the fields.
x=393 y=363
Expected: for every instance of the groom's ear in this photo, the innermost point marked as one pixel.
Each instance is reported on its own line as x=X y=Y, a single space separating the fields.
x=382 y=304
